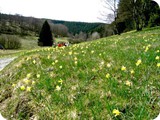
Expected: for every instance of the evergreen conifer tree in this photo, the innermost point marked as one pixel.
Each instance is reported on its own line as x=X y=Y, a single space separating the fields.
x=45 y=37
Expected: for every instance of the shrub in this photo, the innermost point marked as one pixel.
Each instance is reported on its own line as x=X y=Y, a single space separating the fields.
x=75 y=41
x=10 y=41
x=95 y=35
x=2 y=40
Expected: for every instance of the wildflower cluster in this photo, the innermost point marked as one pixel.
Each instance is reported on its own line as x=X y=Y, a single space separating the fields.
x=59 y=86
x=26 y=84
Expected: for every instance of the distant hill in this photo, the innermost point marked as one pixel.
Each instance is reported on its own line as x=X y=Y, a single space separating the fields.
x=76 y=27
x=17 y=24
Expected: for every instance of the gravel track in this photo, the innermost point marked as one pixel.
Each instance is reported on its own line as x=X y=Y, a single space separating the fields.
x=5 y=61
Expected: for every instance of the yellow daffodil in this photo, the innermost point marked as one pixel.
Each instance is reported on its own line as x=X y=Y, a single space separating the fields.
x=60 y=81
x=75 y=59
x=26 y=81
x=128 y=83
x=60 y=67
x=34 y=61
x=38 y=75
x=70 y=53
x=149 y=45
x=29 y=75
x=75 y=62
x=13 y=85
x=92 y=51
x=53 y=63
x=138 y=62
x=116 y=112
x=123 y=68
x=33 y=82
x=102 y=63
x=107 y=75
x=28 y=89
x=132 y=71
x=56 y=61
x=158 y=65
x=108 y=65
x=28 y=58
x=157 y=51
x=22 y=87
x=58 y=88
x=147 y=48
x=157 y=58
x=49 y=57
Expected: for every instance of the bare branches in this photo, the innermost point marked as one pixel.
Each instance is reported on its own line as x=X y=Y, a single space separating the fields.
x=111 y=4
x=110 y=12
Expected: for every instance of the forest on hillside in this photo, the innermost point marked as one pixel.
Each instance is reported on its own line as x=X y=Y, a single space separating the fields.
x=17 y=24
x=76 y=27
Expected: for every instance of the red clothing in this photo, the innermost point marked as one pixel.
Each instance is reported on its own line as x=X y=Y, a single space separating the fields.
x=60 y=45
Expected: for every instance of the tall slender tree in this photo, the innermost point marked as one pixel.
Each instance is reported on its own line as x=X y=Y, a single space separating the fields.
x=45 y=37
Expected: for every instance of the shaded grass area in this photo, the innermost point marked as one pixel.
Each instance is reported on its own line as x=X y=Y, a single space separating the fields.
x=86 y=81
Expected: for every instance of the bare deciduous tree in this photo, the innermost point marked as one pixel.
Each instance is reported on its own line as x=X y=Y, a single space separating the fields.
x=112 y=6
x=111 y=14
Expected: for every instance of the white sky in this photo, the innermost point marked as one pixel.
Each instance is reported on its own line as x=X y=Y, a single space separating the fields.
x=71 y=10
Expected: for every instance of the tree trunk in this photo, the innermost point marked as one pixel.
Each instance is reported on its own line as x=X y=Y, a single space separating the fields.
x=138 y=15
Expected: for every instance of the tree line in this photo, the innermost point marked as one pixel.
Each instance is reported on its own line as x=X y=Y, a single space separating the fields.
x=20 y=25
x=77 y=27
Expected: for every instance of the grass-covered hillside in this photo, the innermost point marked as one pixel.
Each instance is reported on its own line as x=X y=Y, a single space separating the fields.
x=112 y=78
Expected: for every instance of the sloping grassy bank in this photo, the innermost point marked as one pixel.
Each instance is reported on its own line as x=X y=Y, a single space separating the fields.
x=111 y=78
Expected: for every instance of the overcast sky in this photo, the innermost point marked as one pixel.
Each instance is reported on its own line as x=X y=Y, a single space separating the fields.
x=70 y=10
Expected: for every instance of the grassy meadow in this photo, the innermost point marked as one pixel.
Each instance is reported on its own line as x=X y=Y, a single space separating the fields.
x=113 y=78
x=27 y=43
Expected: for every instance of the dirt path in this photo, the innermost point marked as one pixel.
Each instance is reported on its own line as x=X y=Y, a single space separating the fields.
x=5 y=61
